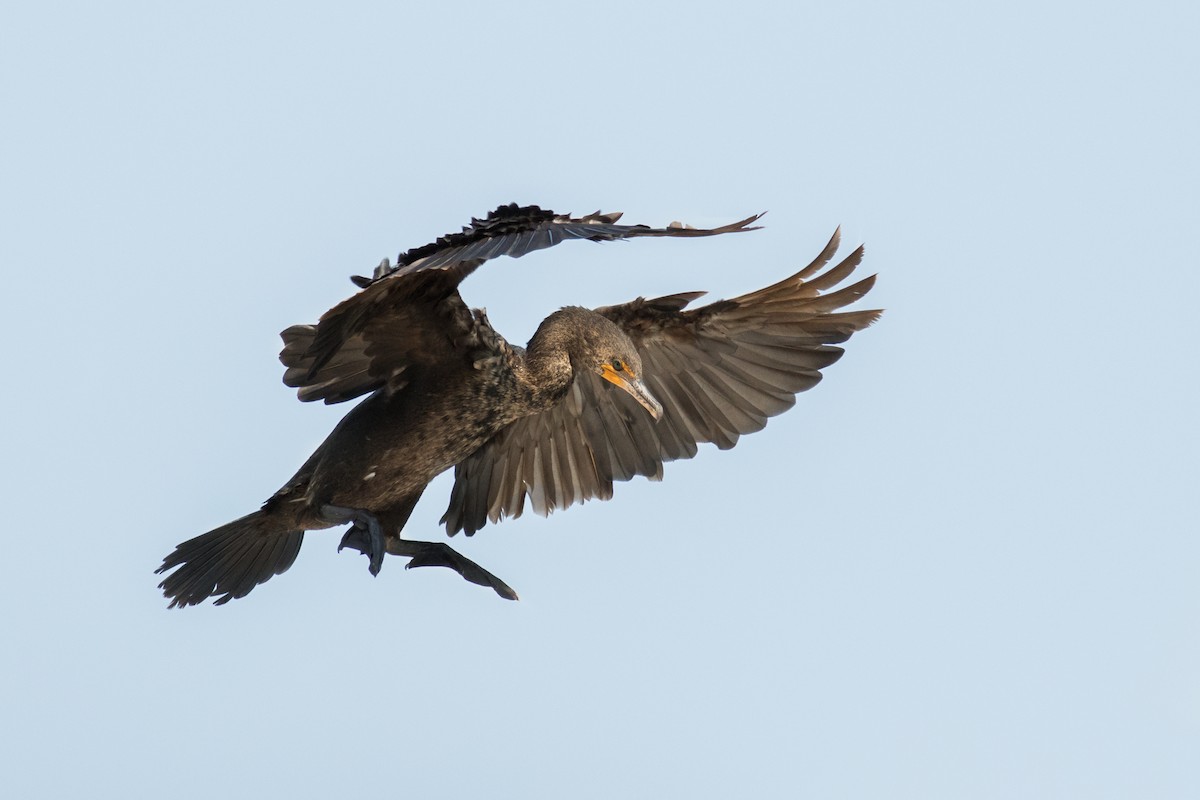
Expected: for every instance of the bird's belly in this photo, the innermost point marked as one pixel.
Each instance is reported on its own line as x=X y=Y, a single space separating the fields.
x=382 y=453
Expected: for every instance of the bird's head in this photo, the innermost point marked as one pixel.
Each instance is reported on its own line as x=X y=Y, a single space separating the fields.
x=591 y=342
x=623 y=370
x=614 y=357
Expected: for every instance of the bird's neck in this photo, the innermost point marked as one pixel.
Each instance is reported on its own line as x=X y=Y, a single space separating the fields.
x=547 y=367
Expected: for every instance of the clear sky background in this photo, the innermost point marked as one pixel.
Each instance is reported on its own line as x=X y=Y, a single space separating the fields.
x=964 y=566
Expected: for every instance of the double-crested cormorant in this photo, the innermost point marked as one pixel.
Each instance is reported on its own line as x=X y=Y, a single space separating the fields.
x=548 y=423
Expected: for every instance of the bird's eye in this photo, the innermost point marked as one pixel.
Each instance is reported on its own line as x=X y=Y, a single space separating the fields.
x=618 y=365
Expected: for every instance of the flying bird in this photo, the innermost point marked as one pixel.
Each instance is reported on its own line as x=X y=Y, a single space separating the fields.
x=597 y=396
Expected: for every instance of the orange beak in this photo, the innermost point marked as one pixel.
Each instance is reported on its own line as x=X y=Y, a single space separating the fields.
x=637 y=390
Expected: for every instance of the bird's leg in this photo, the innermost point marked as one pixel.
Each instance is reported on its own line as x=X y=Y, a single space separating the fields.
x=437 y=554
x=430 y=554
x=366 y=535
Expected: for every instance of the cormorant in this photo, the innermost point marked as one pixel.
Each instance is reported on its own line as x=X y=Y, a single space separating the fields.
x=597 y=396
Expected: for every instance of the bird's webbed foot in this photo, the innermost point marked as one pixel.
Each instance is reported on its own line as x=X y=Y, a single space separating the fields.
x=365 y=536
x=437 y=554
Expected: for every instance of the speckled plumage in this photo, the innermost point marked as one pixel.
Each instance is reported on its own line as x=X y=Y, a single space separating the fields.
x=545 y=423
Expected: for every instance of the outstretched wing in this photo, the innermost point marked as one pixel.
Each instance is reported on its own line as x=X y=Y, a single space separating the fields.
x=514 y=230
x=411 y=312
x=720 y=371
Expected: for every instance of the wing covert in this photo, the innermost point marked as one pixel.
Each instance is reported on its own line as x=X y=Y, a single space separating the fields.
x=372 y=339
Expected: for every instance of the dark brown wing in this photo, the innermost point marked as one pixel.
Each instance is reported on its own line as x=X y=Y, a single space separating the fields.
x=719 y=371
x=412 y=313
x=514 y=230
x=373 y=338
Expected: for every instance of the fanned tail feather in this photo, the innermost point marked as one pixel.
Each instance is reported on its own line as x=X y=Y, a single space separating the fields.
x=230 y=560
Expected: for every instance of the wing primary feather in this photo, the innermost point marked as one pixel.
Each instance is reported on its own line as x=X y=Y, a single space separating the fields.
x=845 y=268
x=824 y=256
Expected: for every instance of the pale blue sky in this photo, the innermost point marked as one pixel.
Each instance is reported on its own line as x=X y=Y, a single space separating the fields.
x=964 y=566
